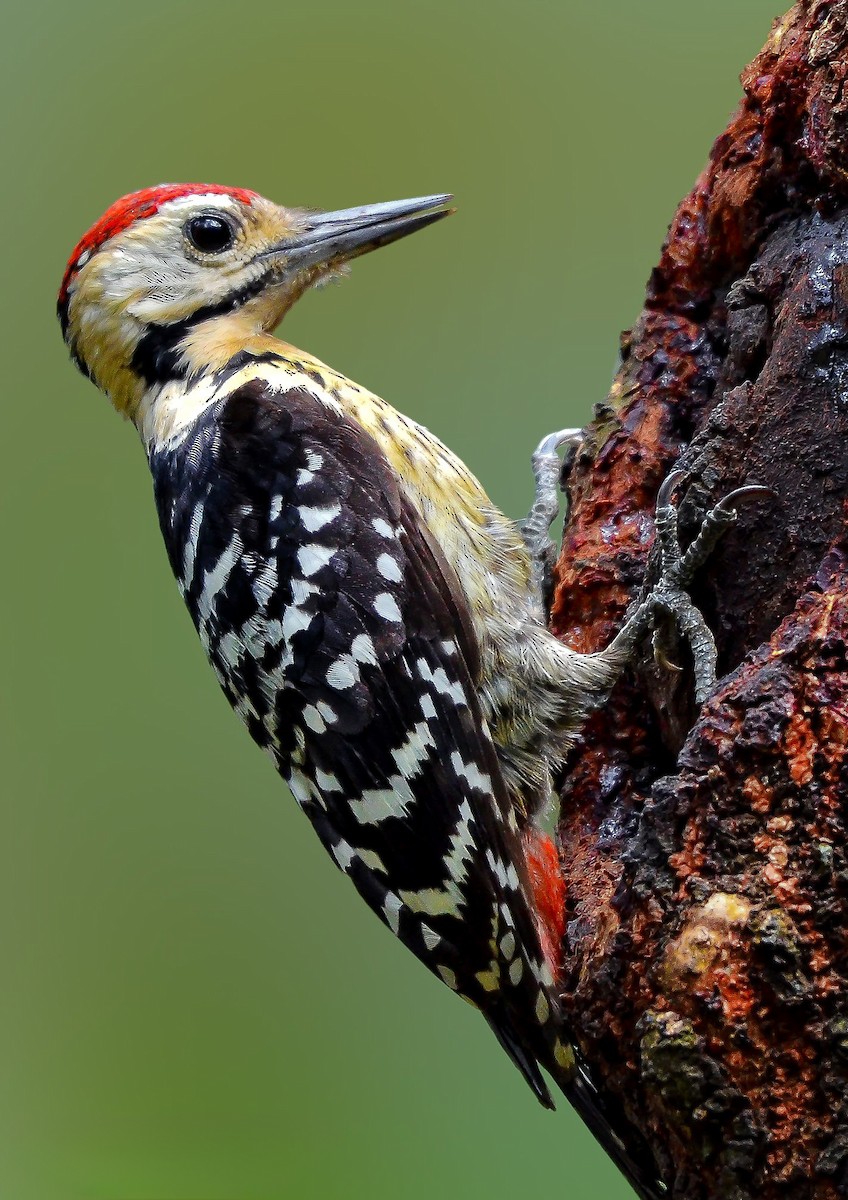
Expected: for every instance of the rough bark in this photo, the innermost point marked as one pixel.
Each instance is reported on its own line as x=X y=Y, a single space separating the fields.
x=705 y=854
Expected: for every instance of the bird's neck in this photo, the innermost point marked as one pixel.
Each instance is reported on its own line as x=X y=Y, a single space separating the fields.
x=146 y=367
x=170 y=410
x=450 y=501
x=213 y=362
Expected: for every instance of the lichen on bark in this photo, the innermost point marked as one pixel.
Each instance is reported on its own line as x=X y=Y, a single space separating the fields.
x=705 y=853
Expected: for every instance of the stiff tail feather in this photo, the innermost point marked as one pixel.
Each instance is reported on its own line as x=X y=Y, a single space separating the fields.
x=522 y=1057
x=633 y=1157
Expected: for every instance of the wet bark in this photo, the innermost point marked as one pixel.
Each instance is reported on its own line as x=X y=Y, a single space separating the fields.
x=705 y=853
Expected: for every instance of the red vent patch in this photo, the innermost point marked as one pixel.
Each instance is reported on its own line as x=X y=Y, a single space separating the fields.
x=548 y=893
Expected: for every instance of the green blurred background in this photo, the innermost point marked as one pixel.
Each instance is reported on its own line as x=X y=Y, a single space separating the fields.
x=194 y=1005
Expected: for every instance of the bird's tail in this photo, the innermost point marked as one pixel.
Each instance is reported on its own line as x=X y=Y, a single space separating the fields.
x=632 y=1156
x=523 y=1058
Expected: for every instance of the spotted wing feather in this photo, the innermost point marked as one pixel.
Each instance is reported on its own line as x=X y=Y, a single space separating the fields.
x=340 y=636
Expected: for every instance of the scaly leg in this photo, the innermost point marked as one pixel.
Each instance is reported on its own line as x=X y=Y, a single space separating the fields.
x=547 y=466
x=669 y=599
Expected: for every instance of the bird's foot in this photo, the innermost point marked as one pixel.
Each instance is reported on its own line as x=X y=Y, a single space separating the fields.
x=535 y=528
x=668 y=609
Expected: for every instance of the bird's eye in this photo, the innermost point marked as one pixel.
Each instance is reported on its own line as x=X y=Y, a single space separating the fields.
x=209 y=234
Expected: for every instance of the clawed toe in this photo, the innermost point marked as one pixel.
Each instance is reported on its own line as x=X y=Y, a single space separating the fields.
x=668 y=605
x=549 y=445
x=714 y=525
x=752 y=491
x=547 y=467
x=661 y=654
x=667 y=488
x=677 y=568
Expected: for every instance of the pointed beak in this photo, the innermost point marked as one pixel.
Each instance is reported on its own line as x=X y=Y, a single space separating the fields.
x=330 y=239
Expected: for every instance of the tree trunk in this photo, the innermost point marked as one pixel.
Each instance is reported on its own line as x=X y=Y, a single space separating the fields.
x=705 y=853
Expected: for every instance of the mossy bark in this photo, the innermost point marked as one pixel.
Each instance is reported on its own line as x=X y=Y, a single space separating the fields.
x=705 y=853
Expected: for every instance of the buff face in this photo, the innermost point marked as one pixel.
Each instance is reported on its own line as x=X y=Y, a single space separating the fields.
x=194 y=258
x=175 y=277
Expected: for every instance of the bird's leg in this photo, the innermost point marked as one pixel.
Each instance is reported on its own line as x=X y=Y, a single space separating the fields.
x=667 y=602
x=547 y=466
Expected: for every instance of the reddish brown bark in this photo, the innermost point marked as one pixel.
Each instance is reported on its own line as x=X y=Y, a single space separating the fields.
x=705 y=854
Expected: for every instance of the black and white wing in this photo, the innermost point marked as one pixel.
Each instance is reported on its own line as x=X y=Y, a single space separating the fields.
x=343 y=640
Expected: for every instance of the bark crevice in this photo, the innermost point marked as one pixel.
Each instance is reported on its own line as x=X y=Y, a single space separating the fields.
x=705 y=854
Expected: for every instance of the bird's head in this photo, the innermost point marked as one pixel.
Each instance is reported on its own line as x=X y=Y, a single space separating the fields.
x=174 y=280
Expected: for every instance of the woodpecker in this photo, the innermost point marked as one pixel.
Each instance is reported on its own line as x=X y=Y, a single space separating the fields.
x=377 y=624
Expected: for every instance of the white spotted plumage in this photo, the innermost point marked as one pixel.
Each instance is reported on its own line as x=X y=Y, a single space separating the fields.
x=371 y=616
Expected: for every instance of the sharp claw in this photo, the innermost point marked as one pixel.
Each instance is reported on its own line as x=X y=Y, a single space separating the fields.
x=671 y=592
x=667 y=489
x=752 y=491
x=550 y=444
x=663 y=661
